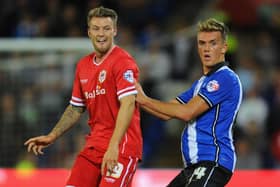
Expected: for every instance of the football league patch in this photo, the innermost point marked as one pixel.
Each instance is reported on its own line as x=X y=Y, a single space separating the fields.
x=212 y=86
x=128 y=75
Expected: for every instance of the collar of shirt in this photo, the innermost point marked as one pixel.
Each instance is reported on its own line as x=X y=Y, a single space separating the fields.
x=216 y=67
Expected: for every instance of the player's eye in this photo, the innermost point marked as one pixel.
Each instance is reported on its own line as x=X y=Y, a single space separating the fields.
x=213 y=43
x=94 y=28
x=107 y=28
x=201 y=43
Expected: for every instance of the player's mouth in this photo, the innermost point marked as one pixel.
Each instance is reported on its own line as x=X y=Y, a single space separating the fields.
x=207 y=57
x=101 y=41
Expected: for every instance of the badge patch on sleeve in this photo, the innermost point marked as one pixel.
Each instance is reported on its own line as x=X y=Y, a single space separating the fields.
x=212 y=86
x=128 y=75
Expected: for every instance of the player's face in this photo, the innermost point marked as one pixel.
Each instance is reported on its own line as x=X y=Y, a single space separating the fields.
x=101 y=31
x=211 y=48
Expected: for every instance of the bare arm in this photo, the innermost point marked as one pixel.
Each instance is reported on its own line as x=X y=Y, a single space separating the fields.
x=195 y=107
x=141 y=96
x=158 y=114
x=127 y=106
x=173 y=109
x=70 y=116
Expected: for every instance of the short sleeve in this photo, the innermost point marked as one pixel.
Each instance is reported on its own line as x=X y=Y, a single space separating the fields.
x=77 y=98
x=125 y=71
x=187 y=95
x=216 y=89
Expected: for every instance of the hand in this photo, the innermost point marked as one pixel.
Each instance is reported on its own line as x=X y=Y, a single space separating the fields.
x=110 y=159
x=38 y=143
x=141 y=94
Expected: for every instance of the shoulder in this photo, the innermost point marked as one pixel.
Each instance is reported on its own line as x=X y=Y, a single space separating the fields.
x=123 y=60
x=227 y=77
x=122 y=54
x=85 y=60
x=226 y=73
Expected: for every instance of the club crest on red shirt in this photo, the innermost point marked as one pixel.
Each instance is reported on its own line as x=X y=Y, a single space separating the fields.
x=102 y=76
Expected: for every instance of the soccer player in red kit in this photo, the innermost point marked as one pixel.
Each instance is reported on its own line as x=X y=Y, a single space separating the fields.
x=104 y=86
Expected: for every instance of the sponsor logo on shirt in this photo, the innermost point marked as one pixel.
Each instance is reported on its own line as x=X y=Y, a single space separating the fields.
x=128 y=75
x=95 y=93
x=102 y=76
x=212 y=86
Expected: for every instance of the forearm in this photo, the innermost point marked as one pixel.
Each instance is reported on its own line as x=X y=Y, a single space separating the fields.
x=195 y=107
x=122 y=123
x=69 y=118
x=167 y=110
x=156 y=113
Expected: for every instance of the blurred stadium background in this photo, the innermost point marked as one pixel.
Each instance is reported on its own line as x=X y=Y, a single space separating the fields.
x=41 y=41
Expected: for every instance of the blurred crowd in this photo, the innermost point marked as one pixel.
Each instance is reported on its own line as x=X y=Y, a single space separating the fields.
x=36 y=87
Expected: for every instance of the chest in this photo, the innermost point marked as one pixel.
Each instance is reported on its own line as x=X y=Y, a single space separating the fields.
x=207 y=83
x=96 y=80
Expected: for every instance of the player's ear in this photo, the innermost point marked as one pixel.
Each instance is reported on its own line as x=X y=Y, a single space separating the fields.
x=115 y=31
x=88 y=33
x=224 y=48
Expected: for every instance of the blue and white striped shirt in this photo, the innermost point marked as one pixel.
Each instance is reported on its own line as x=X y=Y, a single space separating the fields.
x=209 y=136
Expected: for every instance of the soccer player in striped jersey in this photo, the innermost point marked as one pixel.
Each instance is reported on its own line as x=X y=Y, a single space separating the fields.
x=104 y=86
x=209 y=108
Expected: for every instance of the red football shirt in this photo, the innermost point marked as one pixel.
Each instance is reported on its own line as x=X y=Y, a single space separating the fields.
x=99 y=87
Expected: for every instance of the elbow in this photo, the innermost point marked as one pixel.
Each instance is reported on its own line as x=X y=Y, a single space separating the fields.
x=184 y=116
x=129 y=104
x=165 y=118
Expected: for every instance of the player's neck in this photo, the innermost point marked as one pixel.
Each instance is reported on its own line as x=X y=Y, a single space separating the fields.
x=99 y=56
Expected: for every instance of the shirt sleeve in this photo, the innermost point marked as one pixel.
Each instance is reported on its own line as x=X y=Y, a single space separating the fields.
x=77 y=98
x=125 y=71
x=217 y=89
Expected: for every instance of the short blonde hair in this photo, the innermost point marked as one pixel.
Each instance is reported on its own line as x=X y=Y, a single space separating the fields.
x=102 y=12
x=211 y=25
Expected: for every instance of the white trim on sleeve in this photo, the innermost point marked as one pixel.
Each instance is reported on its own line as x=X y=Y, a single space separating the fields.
x=133 y=92
x=76 y=104
x=76 y=99
x=123 y=90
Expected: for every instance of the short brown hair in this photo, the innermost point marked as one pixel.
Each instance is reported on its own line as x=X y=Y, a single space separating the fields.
x=102 y=12
x=211 y=25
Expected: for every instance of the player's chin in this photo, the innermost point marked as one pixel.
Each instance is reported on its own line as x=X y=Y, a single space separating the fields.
x=102 y=49
x=210 y=64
